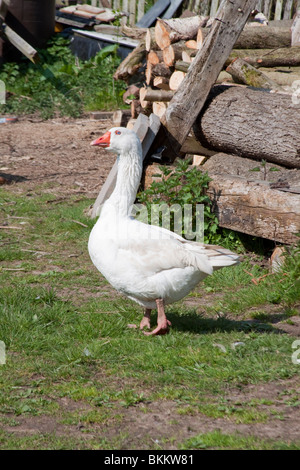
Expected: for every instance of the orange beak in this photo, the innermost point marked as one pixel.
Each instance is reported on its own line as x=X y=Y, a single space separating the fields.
x=103 y=141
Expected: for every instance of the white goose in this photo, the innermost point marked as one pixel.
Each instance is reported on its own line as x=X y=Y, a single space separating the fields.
x=149 y=264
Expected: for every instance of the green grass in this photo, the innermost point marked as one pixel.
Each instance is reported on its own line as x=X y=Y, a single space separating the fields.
x=66 y=337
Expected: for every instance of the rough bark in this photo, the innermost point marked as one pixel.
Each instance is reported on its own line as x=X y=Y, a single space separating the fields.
x=132 y=63
x=258 y=37
x=256 y=209
x=289 y=56
x=204 y=70
x=251 y=123
x=242 y=72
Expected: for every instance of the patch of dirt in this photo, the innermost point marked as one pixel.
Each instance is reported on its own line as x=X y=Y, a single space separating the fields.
x=56 y=152
x=159 y=424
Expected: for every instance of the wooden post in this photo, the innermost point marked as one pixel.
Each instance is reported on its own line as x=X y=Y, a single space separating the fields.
x=204 y=70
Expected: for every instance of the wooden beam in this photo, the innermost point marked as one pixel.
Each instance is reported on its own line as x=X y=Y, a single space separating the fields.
x=204 y=70
x=21 y=45
x=150 y=17
x=146 y=129
x=255 y=208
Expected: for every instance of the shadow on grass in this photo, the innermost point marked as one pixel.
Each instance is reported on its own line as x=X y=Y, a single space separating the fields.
x=194 y=323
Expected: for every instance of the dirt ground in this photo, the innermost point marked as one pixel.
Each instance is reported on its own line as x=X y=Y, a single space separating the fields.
x=58 y=152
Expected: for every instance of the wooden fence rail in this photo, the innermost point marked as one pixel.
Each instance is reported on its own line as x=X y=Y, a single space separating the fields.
x=272 y=9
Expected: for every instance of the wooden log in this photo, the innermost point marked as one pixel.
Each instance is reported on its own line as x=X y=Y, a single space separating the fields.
x=159 y=108
x=257 y=37
x=172 y=53
x=145 y=104
x=155 y=57
x=134 y=33
x=173 y=30
x=157 y=95
x=135 y=108
x=176 y=79
x=204 y=70
x=130 y=65
x=150 y=40
x=251 y=123
x=268 y=57
x=296 y=30
x=191 y=44
x=158 y=70
x=254 y=208
x=242 y=72
x=161 y=83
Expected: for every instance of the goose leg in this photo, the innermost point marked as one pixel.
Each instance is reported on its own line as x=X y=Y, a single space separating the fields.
x=162 y=322
x=146 y=319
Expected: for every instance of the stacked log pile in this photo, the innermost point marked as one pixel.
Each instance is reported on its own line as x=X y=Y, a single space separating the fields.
x=233 y=126
x=265 y=56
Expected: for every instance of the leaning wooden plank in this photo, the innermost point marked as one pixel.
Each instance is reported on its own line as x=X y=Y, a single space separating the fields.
x=251 y=123
x=169 y=13
x=204 y=70
x=256 y=209
x=146 y=129
x=21 y=45
x=150 y=17
x=242 y=72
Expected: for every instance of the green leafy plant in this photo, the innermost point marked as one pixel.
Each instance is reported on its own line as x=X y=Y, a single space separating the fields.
x=180 y=186
x=61 y=83
x=264 y=169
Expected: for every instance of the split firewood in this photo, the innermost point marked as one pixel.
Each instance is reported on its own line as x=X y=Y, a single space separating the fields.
x=176 y=79
x=191 y=44
x=155 y=57
x=242 y=72
x=159 y=108
x=150 y=42
x=161 y=82
x=135 y=108
x=175 y=29
x=144 y=103
x=172 y=53
x=160 y=70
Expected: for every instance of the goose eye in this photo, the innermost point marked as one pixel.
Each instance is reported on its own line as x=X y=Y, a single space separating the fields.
x=118 y=132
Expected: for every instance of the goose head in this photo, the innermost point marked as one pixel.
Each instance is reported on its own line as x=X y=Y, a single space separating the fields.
x=119 y=140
